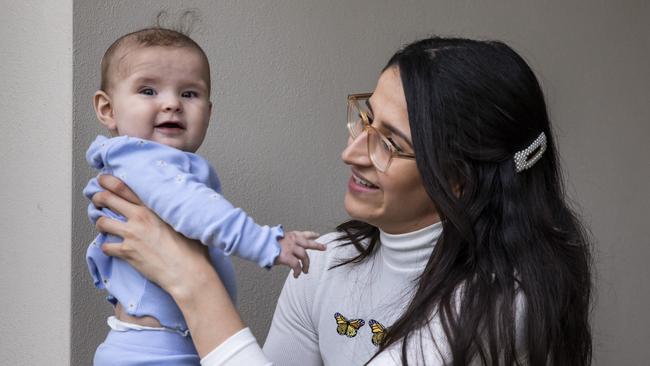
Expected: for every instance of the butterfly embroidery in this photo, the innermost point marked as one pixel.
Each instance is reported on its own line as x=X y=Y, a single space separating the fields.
x=347 y=327
x=378 y=332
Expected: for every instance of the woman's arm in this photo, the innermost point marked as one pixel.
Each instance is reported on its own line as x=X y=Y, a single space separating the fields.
x=177 y=264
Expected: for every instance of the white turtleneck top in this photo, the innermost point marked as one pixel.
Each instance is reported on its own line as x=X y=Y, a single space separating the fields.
x=358 y=300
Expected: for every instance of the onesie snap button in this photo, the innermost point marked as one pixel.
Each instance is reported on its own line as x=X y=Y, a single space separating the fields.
x=179 y=179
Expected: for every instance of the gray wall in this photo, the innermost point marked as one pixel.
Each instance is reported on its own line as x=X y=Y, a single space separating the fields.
x=35 y=171
x=281 y=71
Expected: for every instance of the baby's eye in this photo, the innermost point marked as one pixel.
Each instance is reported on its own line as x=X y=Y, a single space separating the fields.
x=189 y=94
x=147 y=91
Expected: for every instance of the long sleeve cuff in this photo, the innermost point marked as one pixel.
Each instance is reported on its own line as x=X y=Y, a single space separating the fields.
x=240 y=349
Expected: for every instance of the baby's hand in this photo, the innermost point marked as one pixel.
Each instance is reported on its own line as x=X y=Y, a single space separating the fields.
x=293 y=250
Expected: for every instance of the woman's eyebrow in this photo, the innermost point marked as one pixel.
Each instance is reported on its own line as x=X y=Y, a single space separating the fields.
x=389 y=126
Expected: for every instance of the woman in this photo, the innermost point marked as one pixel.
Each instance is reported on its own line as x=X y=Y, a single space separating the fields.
x=461 y=250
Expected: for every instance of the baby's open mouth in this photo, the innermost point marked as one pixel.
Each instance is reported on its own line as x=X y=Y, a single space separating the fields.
x=170 y=125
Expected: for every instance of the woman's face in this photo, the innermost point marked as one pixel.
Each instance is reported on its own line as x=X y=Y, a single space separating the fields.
x=394 y=201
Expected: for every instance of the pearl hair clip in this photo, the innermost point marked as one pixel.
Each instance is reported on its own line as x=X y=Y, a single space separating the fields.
x=523 y=160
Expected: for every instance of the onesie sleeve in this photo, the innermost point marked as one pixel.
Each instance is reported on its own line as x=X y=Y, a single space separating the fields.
x=161 y=176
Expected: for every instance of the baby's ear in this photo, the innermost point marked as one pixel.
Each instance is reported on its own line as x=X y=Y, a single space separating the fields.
x=104 y=110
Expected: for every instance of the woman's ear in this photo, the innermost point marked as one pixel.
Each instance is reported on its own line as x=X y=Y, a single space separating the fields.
x=104 y=111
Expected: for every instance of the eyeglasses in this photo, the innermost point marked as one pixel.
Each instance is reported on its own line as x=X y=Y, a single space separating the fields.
x=381 y=149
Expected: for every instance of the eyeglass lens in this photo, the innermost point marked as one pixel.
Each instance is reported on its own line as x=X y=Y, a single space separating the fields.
x=378 y=150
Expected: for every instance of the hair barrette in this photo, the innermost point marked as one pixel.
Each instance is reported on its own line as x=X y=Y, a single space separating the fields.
x=524 y=159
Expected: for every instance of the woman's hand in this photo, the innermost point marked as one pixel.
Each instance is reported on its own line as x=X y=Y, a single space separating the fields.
x=150 y=245
x=177 y=264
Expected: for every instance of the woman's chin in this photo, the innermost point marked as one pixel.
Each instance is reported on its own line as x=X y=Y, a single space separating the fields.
x=360 y=210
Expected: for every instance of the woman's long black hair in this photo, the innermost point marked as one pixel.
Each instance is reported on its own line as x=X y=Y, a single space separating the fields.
x=471 y=106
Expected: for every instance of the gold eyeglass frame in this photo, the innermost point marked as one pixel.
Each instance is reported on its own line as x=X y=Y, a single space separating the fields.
x=353 y=102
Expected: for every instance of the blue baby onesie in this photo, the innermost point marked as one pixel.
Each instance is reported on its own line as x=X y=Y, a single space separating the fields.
x=184 y=191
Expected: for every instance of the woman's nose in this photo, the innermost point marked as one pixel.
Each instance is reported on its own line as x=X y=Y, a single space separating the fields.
x=356 y=153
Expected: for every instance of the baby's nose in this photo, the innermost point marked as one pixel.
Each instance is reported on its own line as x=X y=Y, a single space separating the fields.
x=172 y=104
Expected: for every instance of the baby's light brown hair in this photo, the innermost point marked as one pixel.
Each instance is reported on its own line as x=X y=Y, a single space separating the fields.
x=147 y=37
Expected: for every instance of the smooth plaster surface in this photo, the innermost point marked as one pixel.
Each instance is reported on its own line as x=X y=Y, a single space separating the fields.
x=35 y=181
x=281 y=71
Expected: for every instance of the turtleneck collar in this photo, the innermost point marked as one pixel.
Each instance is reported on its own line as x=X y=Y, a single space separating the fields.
x=409 y=252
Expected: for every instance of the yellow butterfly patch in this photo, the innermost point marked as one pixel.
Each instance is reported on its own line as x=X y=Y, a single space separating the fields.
x=378 y=332
x=347 y=327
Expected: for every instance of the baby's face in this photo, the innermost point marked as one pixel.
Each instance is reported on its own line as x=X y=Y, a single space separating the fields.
x=162 y=94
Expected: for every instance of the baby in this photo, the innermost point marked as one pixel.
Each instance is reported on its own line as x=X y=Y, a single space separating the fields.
x=155 y=97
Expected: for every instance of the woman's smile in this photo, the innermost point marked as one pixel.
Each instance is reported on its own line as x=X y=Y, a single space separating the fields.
x=359 y=184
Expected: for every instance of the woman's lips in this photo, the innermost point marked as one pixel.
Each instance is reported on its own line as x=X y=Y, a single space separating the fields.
x=355 y=186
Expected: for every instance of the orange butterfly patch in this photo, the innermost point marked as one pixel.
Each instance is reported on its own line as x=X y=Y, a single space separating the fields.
x=378 y=332
x=347 y=327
